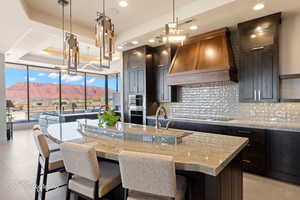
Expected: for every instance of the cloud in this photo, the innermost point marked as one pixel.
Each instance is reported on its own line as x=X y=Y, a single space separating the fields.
x=53 y=75
x=68 y=78
x=92 y=80
x=41 y=74
x=32 y=79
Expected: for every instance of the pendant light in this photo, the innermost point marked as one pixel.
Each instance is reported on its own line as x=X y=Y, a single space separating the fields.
x=172 y=32
x=105 y=37
x=70 y=42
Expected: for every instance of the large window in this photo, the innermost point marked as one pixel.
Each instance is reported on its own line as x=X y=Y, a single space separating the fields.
x=32 y=90
x=73 y=92
x=43 y=91
x=95 y=90
x=113 y=89
x=16 y=91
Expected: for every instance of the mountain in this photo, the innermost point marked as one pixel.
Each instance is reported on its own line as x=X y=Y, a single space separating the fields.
x=51 y=91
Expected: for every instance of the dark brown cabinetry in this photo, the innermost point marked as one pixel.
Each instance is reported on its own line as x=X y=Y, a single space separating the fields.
x=162 y=60
x=259 y=60
x=138 y=67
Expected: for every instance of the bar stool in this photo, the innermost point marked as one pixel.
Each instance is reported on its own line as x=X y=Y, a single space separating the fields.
x=87 y=177
x=150 y=176
x=50 y=162
x=52 y=146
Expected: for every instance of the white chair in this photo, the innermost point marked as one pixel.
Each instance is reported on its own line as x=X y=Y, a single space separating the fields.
x=52 y=146
x=87 y=177
x=50 y=162
x=149 y=176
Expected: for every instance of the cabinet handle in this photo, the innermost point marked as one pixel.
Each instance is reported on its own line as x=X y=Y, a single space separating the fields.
x=247 y=161
x=245 y=132
x=254 y=95
x=257 y=48
x=258 y=95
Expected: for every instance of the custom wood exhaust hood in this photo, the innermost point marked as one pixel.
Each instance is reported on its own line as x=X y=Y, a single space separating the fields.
x=203 y=58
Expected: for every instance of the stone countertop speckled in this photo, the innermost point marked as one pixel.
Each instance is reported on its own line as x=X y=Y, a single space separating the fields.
x=200 y=152
x=277 y=126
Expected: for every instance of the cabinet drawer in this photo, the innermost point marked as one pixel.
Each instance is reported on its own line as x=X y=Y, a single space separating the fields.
x=254 y=163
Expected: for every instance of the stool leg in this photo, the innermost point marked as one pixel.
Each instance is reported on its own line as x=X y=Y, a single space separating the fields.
x=45 y=179
x=37 y=183
x=125 y=193
x=68 y=191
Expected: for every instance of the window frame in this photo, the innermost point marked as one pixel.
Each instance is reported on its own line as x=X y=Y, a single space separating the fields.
x=85 y=75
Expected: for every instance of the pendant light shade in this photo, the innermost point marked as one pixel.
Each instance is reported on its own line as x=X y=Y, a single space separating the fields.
x=172 y=32
x=70 y=42
x=105 y=37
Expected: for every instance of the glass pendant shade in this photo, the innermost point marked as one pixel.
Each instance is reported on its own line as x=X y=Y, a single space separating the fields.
x=105 y=38
x=71 y=52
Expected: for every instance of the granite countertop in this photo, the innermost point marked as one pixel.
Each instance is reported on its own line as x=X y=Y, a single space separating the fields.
x=199 y=152
x=279 y=126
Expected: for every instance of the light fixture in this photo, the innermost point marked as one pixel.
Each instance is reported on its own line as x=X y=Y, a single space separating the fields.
x=70 y=41
x=151 y=40
x=123 y=4
x=194 y=27
x=105 y=37
x=134 y=42
x=253 y=36
x=172 y=32
x=120 y=47
x=259 y=6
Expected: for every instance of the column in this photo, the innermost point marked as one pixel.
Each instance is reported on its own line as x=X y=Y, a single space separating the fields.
x=2 y=102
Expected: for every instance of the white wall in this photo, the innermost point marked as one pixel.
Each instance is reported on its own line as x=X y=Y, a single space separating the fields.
x=2 y=102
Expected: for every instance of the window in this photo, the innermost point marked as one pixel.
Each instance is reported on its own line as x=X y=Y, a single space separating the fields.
x=31 y=90
x=95 y=90
x=72 y=92
x=43 y=91
x=113 y=88
x=16 y=91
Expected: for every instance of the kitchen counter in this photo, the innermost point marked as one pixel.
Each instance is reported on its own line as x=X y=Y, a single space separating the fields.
x=277 y=126
x=198 y=152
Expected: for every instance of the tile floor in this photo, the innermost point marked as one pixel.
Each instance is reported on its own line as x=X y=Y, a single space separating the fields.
x=18 y=170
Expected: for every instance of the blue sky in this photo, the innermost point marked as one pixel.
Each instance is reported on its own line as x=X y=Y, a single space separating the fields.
x=12 y=76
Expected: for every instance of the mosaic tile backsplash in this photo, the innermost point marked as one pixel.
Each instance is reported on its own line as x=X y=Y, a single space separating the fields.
x=221 y=100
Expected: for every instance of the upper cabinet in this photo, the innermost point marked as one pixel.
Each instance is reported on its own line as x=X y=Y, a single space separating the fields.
x=162 y=60
x=259 y=60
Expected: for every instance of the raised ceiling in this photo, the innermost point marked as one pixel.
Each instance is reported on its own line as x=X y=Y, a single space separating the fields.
x=84 y=12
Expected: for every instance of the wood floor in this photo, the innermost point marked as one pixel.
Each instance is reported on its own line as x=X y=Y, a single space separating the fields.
x=18 y=163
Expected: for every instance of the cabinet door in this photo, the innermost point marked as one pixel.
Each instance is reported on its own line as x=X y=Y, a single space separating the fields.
x=166 y=88
x=132 y=80
x=159 y=84
x=140 y=81
x=268 y=76
x=284 y=153
x=247 y=77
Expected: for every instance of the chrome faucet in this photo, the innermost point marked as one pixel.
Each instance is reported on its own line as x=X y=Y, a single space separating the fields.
x=158 y=112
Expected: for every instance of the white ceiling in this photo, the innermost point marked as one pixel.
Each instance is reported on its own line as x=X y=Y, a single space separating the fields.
x=32 y=25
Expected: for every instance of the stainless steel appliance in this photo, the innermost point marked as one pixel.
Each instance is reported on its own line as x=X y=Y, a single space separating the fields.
x=136 y=109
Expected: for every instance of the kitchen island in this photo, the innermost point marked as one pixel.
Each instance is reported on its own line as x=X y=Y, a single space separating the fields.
x=212 y=163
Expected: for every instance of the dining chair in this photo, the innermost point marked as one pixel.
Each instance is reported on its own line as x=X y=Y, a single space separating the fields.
x=150 y=176
x=49 y=161
x=88 y=177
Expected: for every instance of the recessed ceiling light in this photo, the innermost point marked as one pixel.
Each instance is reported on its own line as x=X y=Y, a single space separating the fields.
x=120 y=47
x=123 y=4
x=134 y=42
x=151 y=40
x=194 y=27
x=259 y=6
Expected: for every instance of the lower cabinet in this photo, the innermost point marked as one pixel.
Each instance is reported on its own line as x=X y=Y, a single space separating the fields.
x=275 y=154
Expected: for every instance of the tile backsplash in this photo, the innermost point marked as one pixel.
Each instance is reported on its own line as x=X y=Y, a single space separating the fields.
x=221 y=100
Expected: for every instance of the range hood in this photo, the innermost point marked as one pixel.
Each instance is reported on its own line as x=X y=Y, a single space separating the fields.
x=203 y=58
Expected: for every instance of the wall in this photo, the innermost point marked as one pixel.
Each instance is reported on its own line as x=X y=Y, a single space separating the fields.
x=220 y=100
x=2 y=102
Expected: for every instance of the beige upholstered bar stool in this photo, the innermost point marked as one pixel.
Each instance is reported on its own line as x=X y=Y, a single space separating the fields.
x=149 y=177
x=87 y=177
x=50 y=162
x=52 y=146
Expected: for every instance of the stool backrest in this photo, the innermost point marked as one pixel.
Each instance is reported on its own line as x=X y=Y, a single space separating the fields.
x=81 y=160
x=148 y=173
x=41 y=143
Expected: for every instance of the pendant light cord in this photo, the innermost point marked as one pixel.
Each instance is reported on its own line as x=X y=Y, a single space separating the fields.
x=63 y=32
x=173 y=11
x=71 y=17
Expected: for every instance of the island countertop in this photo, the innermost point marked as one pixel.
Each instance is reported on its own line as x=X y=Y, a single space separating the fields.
x=198 y=152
